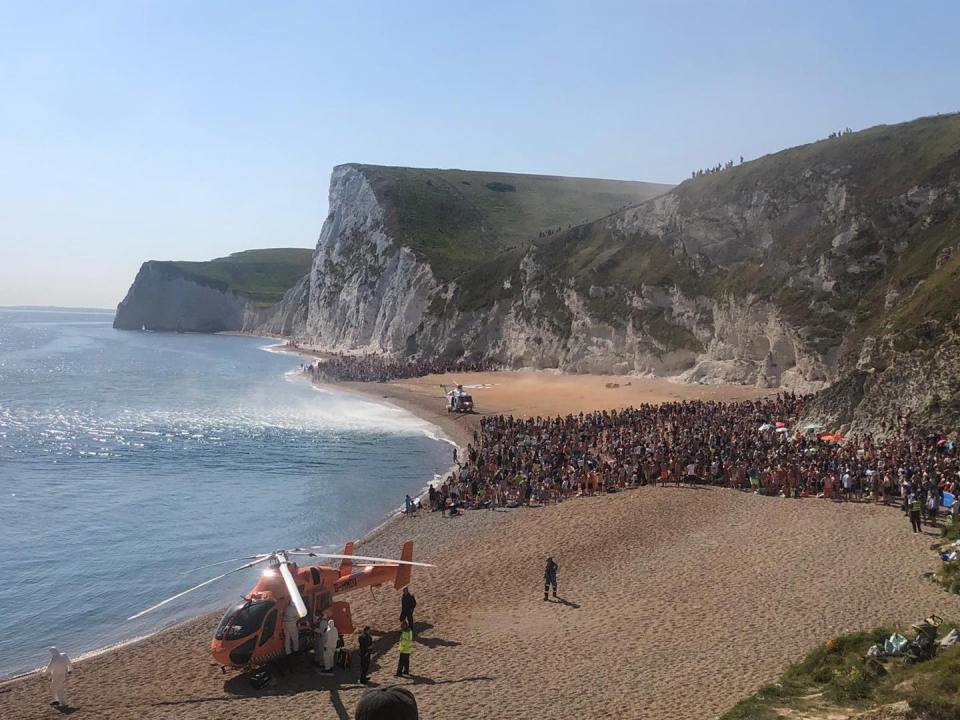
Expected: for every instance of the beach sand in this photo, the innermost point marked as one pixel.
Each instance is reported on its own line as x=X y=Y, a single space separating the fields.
x=677 y=602
x=529 y=393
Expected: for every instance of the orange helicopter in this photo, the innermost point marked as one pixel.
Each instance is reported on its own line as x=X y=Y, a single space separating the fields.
x=250 y=633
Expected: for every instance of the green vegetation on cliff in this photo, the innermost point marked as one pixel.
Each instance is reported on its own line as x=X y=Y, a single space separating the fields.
x=455 y=219
x=263 y=276
x=838 y=680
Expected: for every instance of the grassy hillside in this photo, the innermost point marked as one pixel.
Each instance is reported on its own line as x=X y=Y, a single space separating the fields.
x=456 y=218
x=764 y=230
x=837 y=680
x=261 y=275
x=881 y=162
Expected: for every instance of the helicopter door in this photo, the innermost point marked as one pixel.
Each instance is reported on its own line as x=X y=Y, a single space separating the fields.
x=340 y=612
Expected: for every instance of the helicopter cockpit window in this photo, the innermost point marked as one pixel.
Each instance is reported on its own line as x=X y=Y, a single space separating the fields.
x=243 y=619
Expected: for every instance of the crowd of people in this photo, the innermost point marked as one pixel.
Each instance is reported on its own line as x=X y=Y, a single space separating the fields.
x=753 y=446
x=375 y=367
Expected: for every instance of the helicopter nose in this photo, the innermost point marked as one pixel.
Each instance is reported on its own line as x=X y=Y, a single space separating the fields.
x=241 y=654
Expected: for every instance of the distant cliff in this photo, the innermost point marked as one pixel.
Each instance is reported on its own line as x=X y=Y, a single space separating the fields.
x=243 y=291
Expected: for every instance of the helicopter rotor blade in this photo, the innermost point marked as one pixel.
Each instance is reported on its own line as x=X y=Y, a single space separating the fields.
x=197 y=587
x=388 y=561
x=292 y=588
x=262 y=556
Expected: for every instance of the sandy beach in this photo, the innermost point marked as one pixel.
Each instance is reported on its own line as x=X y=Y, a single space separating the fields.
x=675 y=602
x=530 y=393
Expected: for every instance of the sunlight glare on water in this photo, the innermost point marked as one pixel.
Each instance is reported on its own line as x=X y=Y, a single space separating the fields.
x=129 y=458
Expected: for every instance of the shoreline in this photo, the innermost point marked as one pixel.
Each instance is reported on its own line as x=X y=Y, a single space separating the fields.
x=369 y=535
x=784 y=576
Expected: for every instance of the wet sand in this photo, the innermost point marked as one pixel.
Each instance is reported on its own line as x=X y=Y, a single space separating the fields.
x=676 y=602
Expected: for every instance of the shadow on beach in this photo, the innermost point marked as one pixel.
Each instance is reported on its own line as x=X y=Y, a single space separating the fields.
x=298 y=674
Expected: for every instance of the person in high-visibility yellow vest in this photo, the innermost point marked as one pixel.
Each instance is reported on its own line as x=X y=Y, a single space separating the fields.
x=405 y=646
x=915 y=505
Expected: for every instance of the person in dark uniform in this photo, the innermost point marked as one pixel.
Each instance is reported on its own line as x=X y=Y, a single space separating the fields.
x=366 y=650
x=550 y=578
x=407 y=604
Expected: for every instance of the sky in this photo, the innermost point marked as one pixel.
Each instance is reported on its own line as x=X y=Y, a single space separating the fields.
x=187 y=130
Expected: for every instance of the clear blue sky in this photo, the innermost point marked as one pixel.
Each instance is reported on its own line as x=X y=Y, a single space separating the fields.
x=187 y=130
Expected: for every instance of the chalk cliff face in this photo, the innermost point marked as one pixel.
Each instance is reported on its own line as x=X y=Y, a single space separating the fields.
x=791 y=271
x=834 y=261
x=367 y=291
x=162 y=299
x=255 y=290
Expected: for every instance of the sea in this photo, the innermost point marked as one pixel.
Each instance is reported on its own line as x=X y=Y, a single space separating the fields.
x=130 y=459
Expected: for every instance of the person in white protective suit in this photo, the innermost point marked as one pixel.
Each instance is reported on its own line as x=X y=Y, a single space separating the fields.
x=330 y=638
x=291 y=633
x=58 y=669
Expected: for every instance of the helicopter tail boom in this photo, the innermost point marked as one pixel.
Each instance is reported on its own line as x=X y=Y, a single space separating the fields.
x=346 y=565
x=403 y=571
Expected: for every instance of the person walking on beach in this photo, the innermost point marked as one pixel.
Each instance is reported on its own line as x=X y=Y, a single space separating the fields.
x=406 y=647
x=408 y=604
x=58 y=669
x=366 y=651
x=550 y=578
x=915 y=505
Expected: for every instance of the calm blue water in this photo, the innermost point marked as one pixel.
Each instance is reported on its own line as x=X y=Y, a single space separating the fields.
x=129 y=458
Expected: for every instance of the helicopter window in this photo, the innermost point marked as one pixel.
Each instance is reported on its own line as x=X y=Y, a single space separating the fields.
x=243 y=619
x=269 y=625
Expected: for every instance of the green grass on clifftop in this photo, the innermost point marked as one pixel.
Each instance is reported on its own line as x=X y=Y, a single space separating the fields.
x=261 y=275
x=456 y=219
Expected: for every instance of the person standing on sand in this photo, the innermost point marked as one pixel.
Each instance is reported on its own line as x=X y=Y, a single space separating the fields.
x=915 y=505
x=550 y=578
x=291 y=633
x=58 y=669
x=406 y=647
x=408 y=604
x=330 y=637
x=365 y=642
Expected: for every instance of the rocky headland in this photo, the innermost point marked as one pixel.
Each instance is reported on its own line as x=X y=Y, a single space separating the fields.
x=831 y=266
